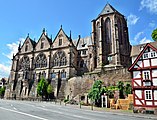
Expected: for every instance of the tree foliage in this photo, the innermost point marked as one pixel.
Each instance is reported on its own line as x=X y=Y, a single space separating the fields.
x=154 y=35
x=121 y=87
x=2 y=91
x=95 y=92
x=42 y=87
x=50 y=89
x=128 y=89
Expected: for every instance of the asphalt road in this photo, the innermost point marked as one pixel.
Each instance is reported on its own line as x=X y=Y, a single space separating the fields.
x=25 y=110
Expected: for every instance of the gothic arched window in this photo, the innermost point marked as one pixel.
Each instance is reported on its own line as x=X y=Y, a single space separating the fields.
x=98 y=31
x=25 y=63
x=108 y=30
x=119 y=31
x=107 y=41
x=59 y=59
x=41 y=61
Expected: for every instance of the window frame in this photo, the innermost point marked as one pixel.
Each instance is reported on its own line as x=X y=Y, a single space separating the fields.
x=60 y=41
x=146 y=75
x=148 y=95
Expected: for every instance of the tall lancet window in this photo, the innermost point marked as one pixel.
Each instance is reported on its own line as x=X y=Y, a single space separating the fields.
x=108 y=34
x=119 y=31
x=98 y=31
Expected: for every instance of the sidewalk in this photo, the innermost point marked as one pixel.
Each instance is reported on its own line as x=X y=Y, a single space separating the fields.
x=115 y=112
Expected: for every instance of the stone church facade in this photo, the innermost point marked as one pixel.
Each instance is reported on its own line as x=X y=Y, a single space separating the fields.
x=60 y=59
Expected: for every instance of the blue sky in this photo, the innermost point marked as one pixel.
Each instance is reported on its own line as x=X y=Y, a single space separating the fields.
x=18 y=18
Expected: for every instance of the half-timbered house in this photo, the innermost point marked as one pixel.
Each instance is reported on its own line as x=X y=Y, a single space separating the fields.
x=144 y=76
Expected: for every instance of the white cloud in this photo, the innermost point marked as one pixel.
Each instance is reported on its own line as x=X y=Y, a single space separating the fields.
x=13 y=47
x=152 y=24
x=4 y=70
x=145 y=40
x=132 y=19
x=150 y=5
x=137 y=36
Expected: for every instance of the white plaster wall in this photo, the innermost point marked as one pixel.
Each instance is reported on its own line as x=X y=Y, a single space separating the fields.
x=137 y=102
x=154 y=62
x=136 y=74
x=154 y=81
x=155 y=94
x=139 y=63
x=154 y=73
x=149 y=103
x=138 y=81
x=146 y=63
x=138 y=93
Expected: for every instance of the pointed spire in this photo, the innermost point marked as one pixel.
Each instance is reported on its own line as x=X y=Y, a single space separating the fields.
x=61 y=26
x=46 y=33
x=13 y=56
x=19 y=48
x=28 y=35
x=43 y=30
x=79 y=37
x=107 y=9
x=70 y=36
x=51 y=37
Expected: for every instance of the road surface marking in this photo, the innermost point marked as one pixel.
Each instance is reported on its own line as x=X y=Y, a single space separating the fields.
x=14 y=108
x=22 y=113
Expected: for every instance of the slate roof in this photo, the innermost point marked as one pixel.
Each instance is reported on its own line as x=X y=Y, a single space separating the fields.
x=108 y=9
x=33 y=42
x=135 y=51
x=152 y=45
x=84 y=42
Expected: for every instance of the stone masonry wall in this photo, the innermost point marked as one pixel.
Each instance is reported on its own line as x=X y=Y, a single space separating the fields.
x=81 y=85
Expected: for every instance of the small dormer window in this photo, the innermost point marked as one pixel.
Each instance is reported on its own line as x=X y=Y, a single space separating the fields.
x=83 y=45
x=60 y=42
x=84 y=52
x=42 y=43
x=152 y=54
x=145 y=55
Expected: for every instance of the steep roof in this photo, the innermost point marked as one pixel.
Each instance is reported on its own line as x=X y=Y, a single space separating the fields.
x=141 y=53
x=84 y=42
x=135 y=51
x=68 y=38
x=108 y=9
x=33 y=43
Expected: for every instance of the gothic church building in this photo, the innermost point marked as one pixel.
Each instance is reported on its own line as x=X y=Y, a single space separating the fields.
x=58 y=60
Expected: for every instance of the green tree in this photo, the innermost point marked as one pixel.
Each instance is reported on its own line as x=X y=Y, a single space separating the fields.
x=2 y=91
x=154 y=35
x=95 y=92
x=49 y=90
x=120 y=86
x=42 y=87
x=128 y=89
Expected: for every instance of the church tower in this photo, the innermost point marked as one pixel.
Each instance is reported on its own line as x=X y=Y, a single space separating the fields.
x=110 y=38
